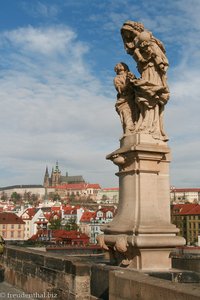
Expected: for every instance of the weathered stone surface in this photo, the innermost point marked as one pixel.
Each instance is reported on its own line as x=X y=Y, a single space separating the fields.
x=7 y=291
x=36 y=272
x=29 y=268
x=17 y=265
x=54 y=263
x=65 y=280
x=10 y=252
x=134 y=285
x=81 y=269
x=100 y=281
x=1 y=273
x=36 y=259
x=47 y=274
x=97 y=281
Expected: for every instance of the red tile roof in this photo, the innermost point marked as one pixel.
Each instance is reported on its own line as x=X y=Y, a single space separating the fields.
x=105 y=209
x=47 y=215
x=59 y=234
x=87 y=216
x=195 y=210
x=31 y=212
x=70 y=211
x=186 y=209
x=72 y=234
x=10 y=218
x=78 y=186
x=55 y=208
x=34 y=237
x=185 y=190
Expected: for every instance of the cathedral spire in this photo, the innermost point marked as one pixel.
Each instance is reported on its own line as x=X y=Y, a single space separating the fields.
x=47 y=172
x=46 y=178
x=57 y=167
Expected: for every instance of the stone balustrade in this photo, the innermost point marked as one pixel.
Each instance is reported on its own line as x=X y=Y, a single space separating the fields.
x=75 y=278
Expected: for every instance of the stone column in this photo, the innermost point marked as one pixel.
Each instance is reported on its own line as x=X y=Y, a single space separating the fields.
x=141 y=235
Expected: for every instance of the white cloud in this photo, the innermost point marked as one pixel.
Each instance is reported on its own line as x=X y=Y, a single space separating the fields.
x=52 y=108
x=49 y=40
x=38 y=9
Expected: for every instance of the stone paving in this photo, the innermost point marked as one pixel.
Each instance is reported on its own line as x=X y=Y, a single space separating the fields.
x=8 y=292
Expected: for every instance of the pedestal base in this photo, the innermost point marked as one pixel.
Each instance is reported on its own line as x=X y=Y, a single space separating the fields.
x=144 y=259
x=141 y=235
x=143 y=252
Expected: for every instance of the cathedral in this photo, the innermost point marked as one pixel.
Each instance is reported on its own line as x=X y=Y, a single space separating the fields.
x=57 y=178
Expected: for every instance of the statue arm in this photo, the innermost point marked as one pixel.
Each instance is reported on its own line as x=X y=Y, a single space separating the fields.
x=120 y=85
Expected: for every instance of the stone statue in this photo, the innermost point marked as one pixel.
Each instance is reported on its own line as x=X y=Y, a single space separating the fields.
x=148 y=95
x=125 y=104
x=141 y=235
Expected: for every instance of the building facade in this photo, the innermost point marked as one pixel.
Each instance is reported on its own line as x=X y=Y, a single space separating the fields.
x=91 y=222
x=108 y=195
x=12 y=227
x=187 y=218
x=185 y=195
x=22 y=190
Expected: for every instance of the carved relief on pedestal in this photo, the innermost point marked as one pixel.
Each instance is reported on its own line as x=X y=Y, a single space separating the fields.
x=119 y=249
x=101 y=242
x=123 y=161
x=121 y=244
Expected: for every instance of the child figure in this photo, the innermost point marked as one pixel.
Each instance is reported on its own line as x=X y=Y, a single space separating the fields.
x=125 y=104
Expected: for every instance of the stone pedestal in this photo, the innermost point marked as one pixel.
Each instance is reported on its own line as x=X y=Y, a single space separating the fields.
x=141 y=235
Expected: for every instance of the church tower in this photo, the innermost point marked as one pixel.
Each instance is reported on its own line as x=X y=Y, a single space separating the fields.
x=46 y=178
x=56 y=176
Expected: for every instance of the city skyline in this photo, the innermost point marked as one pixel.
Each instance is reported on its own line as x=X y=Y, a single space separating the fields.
x=57 y=63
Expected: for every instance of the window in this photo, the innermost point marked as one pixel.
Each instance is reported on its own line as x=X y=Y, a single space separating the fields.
x=4 y=226
x=19 y=226
x=109 y=214
x=12 y=226
x=12 y=234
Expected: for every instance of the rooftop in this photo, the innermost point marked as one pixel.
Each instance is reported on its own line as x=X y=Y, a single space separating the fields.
x=10 y=218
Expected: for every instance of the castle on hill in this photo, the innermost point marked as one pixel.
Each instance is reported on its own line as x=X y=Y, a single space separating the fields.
x=57 y=178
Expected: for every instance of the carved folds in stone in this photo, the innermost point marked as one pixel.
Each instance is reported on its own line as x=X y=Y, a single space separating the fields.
x=140 y=101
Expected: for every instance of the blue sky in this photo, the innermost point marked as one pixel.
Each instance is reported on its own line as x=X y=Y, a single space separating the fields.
x=56 y=86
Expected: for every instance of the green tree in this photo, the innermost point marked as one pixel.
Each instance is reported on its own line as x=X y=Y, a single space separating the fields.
x=16 y=197
x=27 y=196
x=71 y=225
x=54 y=196
x=34 y=199
x=55 y=224
x=4 y=196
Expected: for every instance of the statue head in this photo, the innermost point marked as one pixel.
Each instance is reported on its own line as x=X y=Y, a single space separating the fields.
x=131 y=28
x=144 y=36
x=121 y=67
